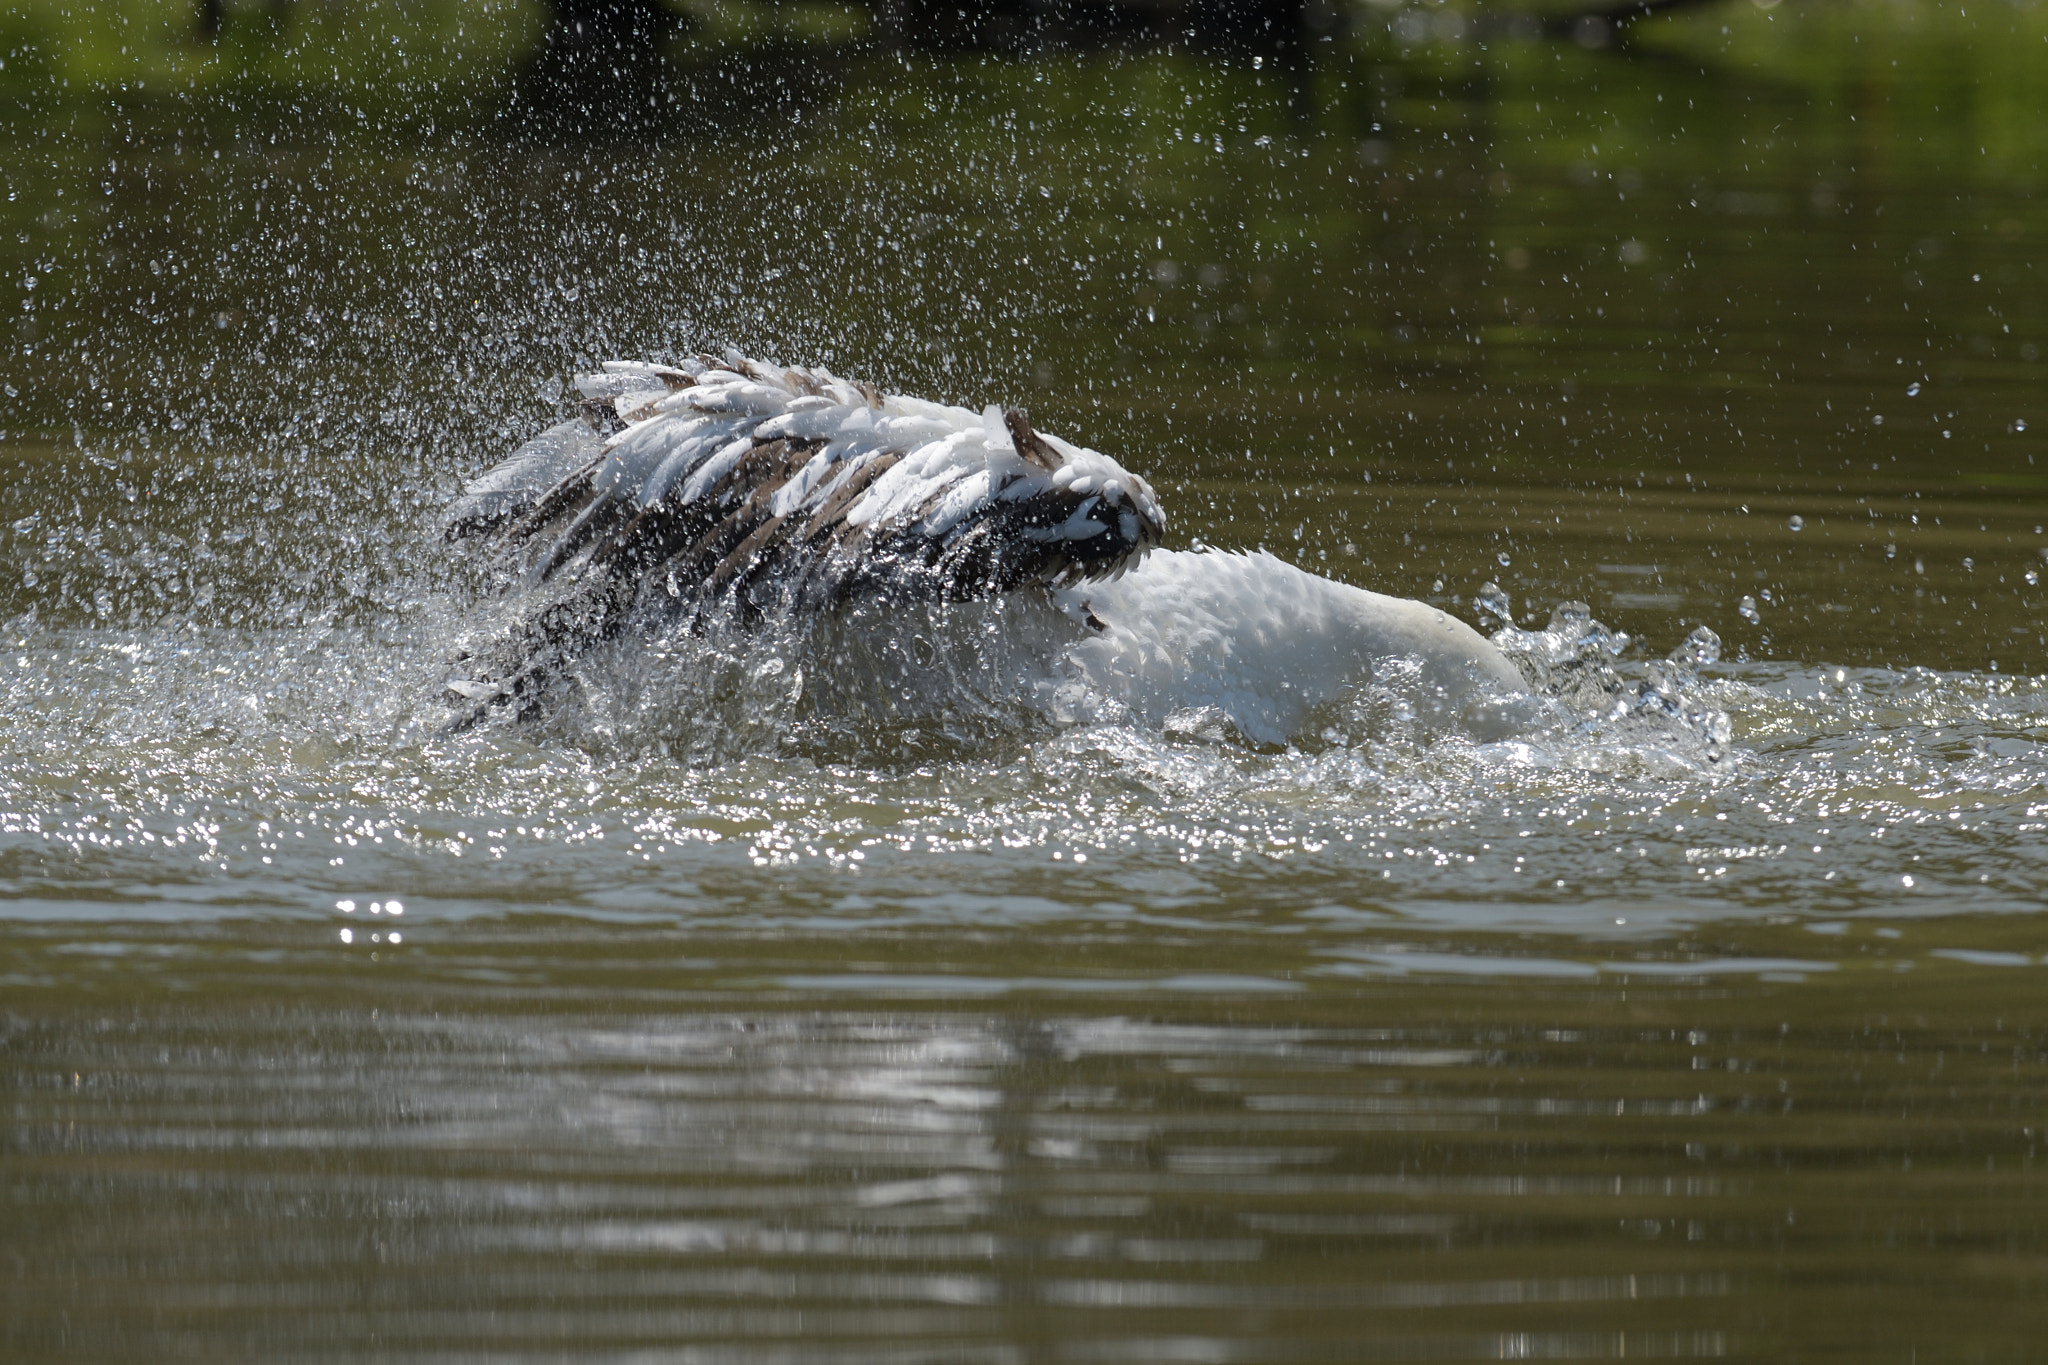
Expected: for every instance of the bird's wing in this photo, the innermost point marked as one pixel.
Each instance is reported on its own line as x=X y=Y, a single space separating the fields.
x=736 y=481
x=511 y=488
x=814 y=478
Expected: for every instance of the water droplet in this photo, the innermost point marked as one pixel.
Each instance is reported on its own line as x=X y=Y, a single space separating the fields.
x=1494 y=602
x=1796 y=522
x=1913 y=389
x=1746 y=609
x=2019 y=424
x=1438 y=586
x=1891 y=552
x=2031 y=577
x=1502 y=558
x=1969 y=564
x=1697 y=650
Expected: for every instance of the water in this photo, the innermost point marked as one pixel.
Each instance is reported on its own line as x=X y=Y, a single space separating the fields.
x=717 y=1018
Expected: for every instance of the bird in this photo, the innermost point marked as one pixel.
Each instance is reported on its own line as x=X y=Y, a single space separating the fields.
x=743 y=488
x=723 y=488
x=1243 y=642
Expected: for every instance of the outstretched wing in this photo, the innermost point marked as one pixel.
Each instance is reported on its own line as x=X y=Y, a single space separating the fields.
x=745 y=486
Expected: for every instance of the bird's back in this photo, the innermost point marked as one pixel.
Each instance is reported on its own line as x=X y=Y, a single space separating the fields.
x=1262 y=641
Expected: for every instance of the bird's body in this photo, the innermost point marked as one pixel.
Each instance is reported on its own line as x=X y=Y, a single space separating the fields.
x=744 y=489
x=1254 y=640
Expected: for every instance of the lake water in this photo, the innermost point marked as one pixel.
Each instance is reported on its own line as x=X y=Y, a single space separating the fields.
x=712 y=1019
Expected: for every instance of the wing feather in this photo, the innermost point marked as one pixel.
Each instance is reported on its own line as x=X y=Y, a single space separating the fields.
x=514 y=485
x=741 y=485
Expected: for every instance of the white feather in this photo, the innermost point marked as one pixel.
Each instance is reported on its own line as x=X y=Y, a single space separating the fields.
x=717 y=467
x=995 y=432
x=920 y=474
x=759 y=400
x=793 y=495
x=1263 y=641
x=684 y=457
x=1079 y=526
x=848 y=467
x=688 y=427
x=966 y=495
x=635 y=453
x=611 y=385
x=820 y=423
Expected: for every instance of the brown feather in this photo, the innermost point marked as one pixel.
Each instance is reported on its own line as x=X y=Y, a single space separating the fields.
x=1027 y=441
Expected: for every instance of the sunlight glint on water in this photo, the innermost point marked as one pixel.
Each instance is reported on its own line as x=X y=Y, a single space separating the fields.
x=752 y=1006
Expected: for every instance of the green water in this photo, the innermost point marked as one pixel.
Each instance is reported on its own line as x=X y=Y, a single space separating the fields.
x=709 y=1027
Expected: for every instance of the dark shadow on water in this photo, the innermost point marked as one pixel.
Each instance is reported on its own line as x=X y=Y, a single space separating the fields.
x=1284 y=33
x=1028 y=25
x=610 y=71
x=623 y=70
x=598 y=73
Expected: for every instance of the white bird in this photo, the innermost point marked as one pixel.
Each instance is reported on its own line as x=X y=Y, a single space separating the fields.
x=742 y=487
x=1251 y=639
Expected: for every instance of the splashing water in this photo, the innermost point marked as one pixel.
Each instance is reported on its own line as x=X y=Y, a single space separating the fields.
x=229 y=699
x=289 y=767
x=228 y=621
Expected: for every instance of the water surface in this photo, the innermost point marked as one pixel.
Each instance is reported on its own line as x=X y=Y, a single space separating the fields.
x=715 y=1018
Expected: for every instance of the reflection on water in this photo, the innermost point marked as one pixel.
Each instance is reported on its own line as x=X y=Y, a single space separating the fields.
x=655 y=1139
x=731 y=1020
